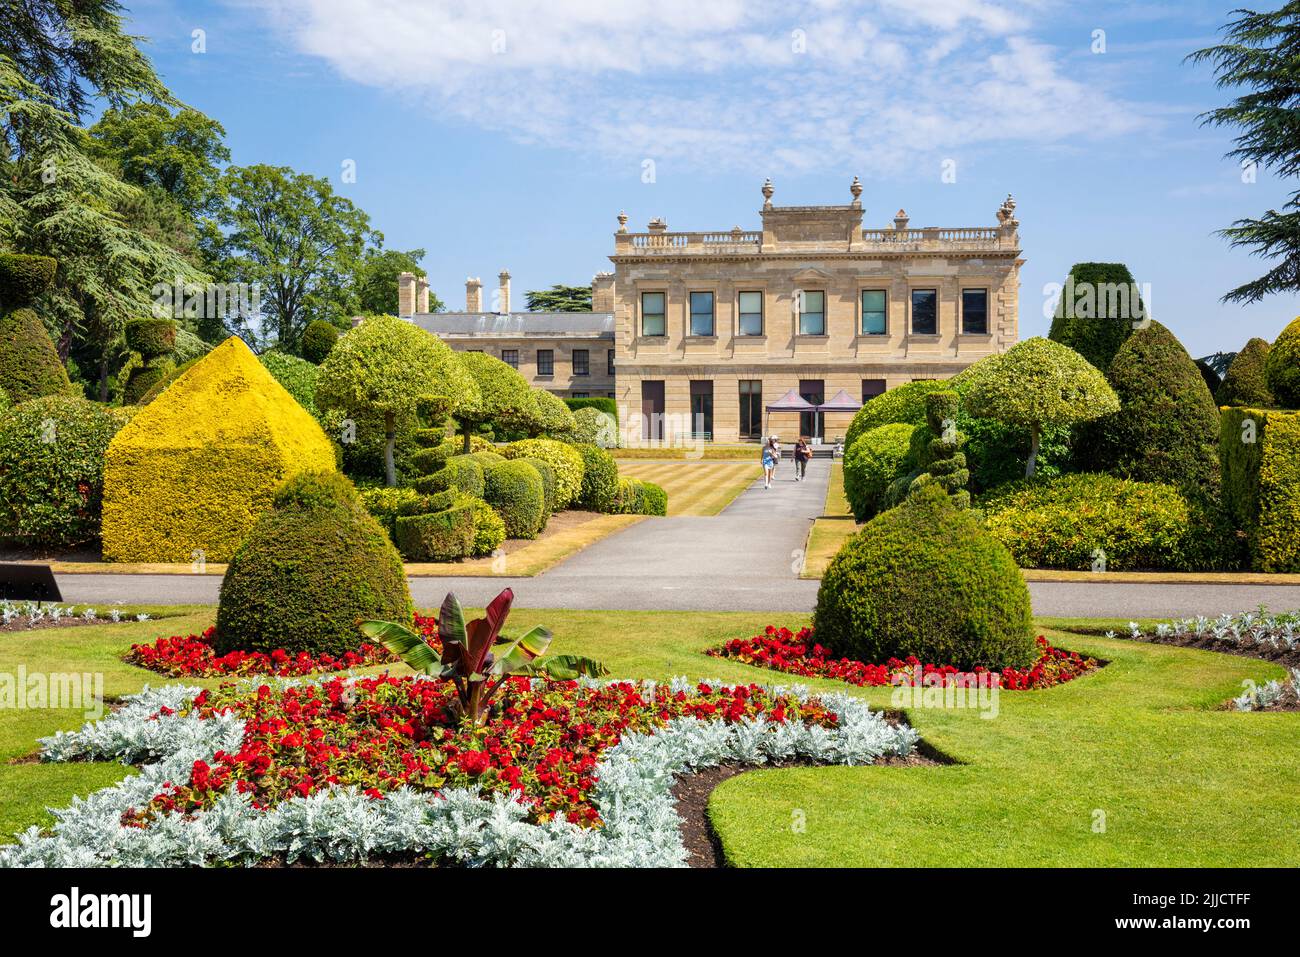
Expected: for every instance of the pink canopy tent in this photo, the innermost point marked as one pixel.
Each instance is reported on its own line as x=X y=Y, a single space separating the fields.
x=792 y=401
x=842 y=402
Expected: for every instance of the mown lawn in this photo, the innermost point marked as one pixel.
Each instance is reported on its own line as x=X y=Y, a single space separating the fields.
x=696 y=488
x=1180 y=782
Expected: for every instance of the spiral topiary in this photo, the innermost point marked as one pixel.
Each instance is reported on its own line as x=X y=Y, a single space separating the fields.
x=308 y=571
x=444 y=530
x=23 y=278
x=942 y=460
x=926 y=579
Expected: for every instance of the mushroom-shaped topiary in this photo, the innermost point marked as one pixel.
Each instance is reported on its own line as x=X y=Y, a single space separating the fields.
x=308 y=571
x=1036 y=384
x=381 y=369
x=926 y=579
x=504 y=397
x=1246 y=383
x=1282 y=369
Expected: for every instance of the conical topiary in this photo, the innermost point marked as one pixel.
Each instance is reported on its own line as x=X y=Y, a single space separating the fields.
x=1245 y=383
x=29 y=365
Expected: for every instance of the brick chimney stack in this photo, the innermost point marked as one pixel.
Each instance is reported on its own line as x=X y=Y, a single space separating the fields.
x=503 y=305
x=406 y=294
x=473 y=295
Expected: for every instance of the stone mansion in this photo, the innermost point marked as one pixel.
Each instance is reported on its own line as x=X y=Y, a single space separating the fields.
x=696 y=333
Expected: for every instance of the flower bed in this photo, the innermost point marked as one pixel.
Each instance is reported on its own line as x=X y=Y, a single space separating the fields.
x=1254 y=634
x=25 y=615
x=192 y=656
x=798 y=654
x=344 y=769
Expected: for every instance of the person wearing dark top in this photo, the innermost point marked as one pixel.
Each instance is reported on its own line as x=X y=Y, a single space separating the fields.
x=802 y=453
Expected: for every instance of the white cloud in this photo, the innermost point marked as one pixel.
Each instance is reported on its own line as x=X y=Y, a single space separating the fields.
x=754 y=85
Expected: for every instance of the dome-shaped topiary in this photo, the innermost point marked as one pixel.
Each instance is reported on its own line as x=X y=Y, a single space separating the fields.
x=926 y=579
x=1167 y=428
x=595 y=427
x=52 y=470
x=901 y=404
x=29 y=365
x=554 y=418
x=308 y=571
x=317 y=340
x=871 y=463
x=1246 y=383
x=1282 y=369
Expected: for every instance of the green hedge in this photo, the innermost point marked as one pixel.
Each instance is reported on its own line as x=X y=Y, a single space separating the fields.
x=1261 y=483
x=1075 y=520
x=489 y=526
x=926 y=579
x=549 y=488
x=515 y=490
x=29 y=365
x=24 y=278
x=599 y=479
x=308 y=571
x=441 y=536
x=871 y=463
x=52 y=470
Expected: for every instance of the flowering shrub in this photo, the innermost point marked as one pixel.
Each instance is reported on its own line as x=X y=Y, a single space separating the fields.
x=193 y=656
x=783 y=650
x=377 y=734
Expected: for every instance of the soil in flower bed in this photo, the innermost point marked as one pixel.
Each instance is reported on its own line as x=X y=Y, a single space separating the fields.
x=1243 y=649
x=782 y=650
x=24 y=623
x=192 y=656
x=541 y=744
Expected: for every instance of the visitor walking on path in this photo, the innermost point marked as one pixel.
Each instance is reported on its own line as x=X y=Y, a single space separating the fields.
x=802 y=453
x=770 y=453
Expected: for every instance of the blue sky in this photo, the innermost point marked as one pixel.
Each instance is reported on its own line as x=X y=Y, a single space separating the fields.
x=505 y=134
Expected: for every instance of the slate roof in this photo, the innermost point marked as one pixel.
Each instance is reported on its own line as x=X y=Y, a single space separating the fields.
x=544 y=325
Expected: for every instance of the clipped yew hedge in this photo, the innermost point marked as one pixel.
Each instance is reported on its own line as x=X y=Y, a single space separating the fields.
x=1246 y=381
x=514 y=489
x=1260 y=459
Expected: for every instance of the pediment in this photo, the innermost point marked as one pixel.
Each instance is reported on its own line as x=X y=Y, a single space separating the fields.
x=810 y=274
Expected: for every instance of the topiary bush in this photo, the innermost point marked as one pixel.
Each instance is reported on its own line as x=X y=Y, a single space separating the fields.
x=598 y=402
x=926 y=579
x=151 y=337
x=553 y=417
x=29 y=364
x=871 y=463
x=385 y=504
x=52 y=470
x=1086 y=521
x=298 y=376
x=549 y=489
x=599 y=479
x=504 y=400
x=1246 y=383
x=941 y=460
x=317 y=340
x=308 y=571
x=902 y=404
x=148 y=380
x=442 y=530
x=23 y=279
x=594 y=427
x=561 y=457
x=638 y=497
x=1096 y=313
x=514 y=489
x=489 y=527
x=443 y=535
x=465 y=474
x=195 y=468
x=1282 y=367
x=1167 y=427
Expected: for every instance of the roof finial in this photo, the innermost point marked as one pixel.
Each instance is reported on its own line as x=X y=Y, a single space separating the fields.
x=856 y=189
x=767 y=193
x=622 y=221
x=1007 y=212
